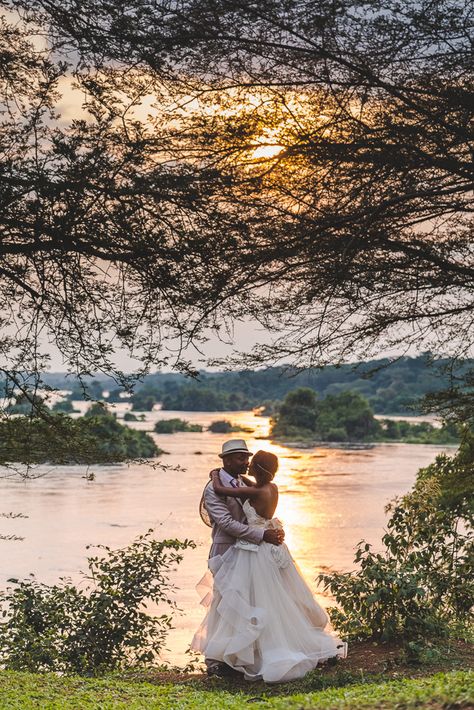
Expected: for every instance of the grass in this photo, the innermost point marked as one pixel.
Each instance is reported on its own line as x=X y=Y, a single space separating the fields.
x=25 y=691
x=373 y=675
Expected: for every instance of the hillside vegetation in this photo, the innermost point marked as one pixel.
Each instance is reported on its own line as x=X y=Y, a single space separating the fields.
x=390 y=387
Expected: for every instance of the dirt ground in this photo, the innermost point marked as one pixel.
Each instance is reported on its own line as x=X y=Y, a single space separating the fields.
x=364 y=658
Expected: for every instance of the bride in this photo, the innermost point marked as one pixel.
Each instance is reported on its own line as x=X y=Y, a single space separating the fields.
x=263 y=620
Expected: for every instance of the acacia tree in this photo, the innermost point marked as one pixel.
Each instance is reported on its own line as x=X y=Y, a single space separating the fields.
x=106 y=240
x=320 y=157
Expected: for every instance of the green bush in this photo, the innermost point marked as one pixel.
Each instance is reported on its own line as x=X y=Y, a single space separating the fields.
x=97 y=437
x=221 y=426
x=100 y=625
x=64 y=406
x=422 y=584
x=419 y=432
x=170 y=426
x=200 y=398
x=346 y=416
x=145 y=398
x=26 y=404
x=298 y=412
x=337 y=434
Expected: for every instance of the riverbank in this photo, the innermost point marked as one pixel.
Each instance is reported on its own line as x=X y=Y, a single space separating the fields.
x=373 y=676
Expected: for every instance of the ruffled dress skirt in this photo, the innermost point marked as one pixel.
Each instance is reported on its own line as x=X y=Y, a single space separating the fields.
x=263 y=619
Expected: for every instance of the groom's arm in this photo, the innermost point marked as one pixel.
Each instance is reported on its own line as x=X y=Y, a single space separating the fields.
x=220 y=514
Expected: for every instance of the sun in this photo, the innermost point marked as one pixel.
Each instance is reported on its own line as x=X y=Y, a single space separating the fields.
x=267 y=146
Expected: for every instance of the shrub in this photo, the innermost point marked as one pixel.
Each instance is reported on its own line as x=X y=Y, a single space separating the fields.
x=221 y=426
x=97 y=437
x=346 y=416
x=26 y=404
x=144 y=401
x=99 y=626
x=65 y=406
x=422 y=584
x=170 y=426
x=298 y=414
x=336 y=434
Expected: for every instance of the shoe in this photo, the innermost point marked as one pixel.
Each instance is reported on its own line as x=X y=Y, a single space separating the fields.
x=221 y=670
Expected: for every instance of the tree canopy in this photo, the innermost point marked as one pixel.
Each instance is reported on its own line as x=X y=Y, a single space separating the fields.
x=308 y=165
x=348 y=417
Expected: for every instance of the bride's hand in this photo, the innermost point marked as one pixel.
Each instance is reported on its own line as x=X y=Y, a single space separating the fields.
x=214 y=476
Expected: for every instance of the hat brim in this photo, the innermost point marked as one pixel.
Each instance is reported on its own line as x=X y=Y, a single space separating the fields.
x=235 y=451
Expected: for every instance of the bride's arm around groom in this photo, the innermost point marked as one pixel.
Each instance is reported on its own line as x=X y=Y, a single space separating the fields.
x=228 y=522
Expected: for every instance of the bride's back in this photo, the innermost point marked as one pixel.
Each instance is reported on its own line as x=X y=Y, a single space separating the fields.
x=263 y=466
x=266 y=501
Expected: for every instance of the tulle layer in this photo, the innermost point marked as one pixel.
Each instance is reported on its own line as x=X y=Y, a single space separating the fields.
x=263 y=619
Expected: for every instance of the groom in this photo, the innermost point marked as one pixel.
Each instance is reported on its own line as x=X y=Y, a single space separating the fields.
x=228 y=519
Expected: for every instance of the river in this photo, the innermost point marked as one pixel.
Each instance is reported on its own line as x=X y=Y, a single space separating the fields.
x=330 y=499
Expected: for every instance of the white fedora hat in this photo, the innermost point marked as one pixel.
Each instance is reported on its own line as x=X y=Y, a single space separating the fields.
x=234 y=446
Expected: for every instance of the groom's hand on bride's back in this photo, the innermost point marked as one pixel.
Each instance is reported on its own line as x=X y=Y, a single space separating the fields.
x=274 y=537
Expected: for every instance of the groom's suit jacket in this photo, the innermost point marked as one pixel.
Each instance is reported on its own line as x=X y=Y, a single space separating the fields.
x=228 y=522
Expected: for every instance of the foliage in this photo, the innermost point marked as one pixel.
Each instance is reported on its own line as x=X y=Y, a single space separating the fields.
x=223 y=426
x=348 y=416
x=298 y=413
x=133 y=228
x=144 y=400
x=96 y=437
x=419 y=432
x=390 y=387
x=27 y=690
x=85 y=390
x=422 y=583
x=379 y=381
x=343 y=417
x=192 y=398
x=100 y=625
x=170 y=426
x=116 y=441
x=336 y=142
x=24 y=404
x=65 y=407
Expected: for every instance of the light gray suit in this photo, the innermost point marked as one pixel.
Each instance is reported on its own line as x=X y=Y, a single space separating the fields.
x=228 y=522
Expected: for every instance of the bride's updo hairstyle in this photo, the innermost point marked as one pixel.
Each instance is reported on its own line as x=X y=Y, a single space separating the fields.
x=263 y=466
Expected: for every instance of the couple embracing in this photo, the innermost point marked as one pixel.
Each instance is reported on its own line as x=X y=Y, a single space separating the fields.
x=263 y=621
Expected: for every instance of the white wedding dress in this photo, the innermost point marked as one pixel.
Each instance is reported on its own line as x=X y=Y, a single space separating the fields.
x=263 y=619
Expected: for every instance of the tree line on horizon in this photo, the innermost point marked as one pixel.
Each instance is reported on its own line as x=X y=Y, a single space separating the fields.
x=391 y=387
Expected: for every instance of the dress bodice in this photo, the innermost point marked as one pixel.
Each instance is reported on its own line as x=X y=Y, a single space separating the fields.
x=253 y=518
x=258 y=521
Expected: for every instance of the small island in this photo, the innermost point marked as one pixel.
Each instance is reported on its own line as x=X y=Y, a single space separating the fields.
x=171 y=426
x=348 y=418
